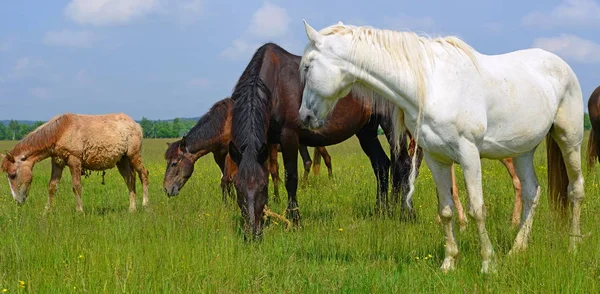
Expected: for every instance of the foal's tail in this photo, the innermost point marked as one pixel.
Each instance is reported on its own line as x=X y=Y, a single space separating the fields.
x=316 y=168
x=592 y=152
x=558 y=180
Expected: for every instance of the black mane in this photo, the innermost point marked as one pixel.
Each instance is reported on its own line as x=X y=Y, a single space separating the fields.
x=208 y=127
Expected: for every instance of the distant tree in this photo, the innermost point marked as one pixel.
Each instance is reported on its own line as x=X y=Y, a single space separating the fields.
x=177 y=128
x=587 y=124
x=13 y=127
x=3 y=132
x=147 y=127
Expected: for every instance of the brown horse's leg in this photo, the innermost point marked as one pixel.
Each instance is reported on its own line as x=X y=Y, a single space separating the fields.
x=518 y=207
x=462 y=220
x=327 y=159
x=138 y=166
x=128 y=175
x=220 y=159
x=57 y=170
x=274 y=170
x=230 y=171
x=307 y=162
x=289 y=150
x=75 y=168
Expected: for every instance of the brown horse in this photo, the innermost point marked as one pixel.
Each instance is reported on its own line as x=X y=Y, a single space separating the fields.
x=265 y=111
x=81 y=142
x=593 y=152
x=211 y=134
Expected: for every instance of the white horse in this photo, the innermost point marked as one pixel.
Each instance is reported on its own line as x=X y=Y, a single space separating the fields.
x=461 y=106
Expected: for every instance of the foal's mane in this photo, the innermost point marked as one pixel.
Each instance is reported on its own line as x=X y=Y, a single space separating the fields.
x=208 y=125
x=44 y=136
x=251 y=110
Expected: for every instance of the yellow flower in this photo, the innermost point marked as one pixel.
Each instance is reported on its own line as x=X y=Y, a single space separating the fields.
x=341 y=229
x=429 y=255
x=4 y=290
x=80 y=256
x=22 y=283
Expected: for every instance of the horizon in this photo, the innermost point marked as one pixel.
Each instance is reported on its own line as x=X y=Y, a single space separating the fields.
x=165 y=59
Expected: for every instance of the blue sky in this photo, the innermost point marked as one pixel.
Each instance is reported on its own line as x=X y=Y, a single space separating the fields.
x=175 y=58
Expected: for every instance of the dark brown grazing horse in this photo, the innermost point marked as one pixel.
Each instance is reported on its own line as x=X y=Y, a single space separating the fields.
x=593 y=152
x=265 y=111
x=211 y=134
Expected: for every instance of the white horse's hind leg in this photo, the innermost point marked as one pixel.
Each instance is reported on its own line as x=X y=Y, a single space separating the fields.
x=471 y=165
x=442 y=176
x=530 y=190
x=572 y=157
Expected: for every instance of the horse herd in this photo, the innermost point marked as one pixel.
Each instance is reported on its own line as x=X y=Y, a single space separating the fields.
x=436 y=99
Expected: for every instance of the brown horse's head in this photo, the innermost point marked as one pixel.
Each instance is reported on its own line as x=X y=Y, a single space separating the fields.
x=180 y=166
x=19 y=172
x=251 y=182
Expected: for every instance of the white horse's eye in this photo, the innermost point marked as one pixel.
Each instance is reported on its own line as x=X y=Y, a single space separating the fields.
x=306 y=68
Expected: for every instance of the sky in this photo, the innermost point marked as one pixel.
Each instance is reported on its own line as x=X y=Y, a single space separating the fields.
x=162 y=59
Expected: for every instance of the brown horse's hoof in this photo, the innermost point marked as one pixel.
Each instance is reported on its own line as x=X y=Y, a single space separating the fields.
x=408 y=215
x=294 y=215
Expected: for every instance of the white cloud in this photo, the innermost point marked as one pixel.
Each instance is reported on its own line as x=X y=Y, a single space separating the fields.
x=570 y=13
x=26 y=66
x=571 y=47
x=70 y=38
x=187 y=12
x=239 y=50
x=39 y=92
x=108 y=12
x=270 y=21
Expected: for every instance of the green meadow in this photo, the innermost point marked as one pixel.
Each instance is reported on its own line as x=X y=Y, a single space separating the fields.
x=193 y=243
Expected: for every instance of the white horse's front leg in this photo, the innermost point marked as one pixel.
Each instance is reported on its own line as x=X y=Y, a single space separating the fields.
x=442 y=176
x=471 y=166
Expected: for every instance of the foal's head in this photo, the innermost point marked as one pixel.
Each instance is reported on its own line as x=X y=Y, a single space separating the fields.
x=19 y=171
x=180 y=166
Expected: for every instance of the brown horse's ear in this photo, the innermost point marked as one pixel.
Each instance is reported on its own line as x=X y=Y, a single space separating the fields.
x=182 y=145
x=9 y=156
x=169 y=144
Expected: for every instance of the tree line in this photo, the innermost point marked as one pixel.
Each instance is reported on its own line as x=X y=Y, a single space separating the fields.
x=14 y=130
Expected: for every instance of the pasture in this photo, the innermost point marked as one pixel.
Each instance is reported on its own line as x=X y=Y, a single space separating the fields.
x=194 y=243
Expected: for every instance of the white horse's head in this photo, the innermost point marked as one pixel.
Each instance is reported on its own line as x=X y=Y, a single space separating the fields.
x=327 y=75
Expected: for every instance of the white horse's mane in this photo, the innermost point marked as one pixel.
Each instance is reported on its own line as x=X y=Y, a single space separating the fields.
x=405 y=51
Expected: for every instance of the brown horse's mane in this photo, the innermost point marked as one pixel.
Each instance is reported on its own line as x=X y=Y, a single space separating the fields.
x=44 y=136
x=207 y=127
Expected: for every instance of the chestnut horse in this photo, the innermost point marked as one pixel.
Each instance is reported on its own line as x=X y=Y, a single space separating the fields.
x=211 y=134
x=593 y=152
x=81 y=142
x=265 y=111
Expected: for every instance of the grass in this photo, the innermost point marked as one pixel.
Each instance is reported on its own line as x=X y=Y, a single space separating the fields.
x=193 y=242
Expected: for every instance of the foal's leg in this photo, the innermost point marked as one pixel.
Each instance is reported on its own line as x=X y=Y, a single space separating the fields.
x=442 y=176
x=531 y=195
x=327 y=159
x=128 y=175
x=274 y=170
x=307 y=162
x=75 y=168
x=57 y=170
x=462 y=220
x=471 y=166
x=137 y=165
x=518 y=206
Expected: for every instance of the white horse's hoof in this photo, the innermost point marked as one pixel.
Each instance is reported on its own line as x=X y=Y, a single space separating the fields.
x=448 y=264
x=488 y=267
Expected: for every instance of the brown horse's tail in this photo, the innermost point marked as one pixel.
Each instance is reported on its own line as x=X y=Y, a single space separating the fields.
x=316 y=168
x=592 y=151
x=557 y=176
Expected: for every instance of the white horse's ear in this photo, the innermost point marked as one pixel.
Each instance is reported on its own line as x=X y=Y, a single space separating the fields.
x=313 y=35
x=340 y=23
